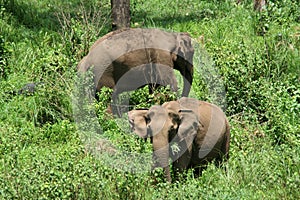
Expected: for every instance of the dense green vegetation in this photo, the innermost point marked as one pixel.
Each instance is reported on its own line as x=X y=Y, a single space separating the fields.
x=255 y=59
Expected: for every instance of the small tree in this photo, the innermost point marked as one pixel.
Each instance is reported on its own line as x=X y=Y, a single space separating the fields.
x=120 y=14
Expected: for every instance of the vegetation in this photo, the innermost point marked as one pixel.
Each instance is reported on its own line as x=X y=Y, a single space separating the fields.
x=247 y=62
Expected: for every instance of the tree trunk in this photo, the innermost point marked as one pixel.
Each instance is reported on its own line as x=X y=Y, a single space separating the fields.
x=120 y=14
x=259 y=5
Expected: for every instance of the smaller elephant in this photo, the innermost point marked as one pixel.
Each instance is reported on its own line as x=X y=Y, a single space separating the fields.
x=199 y=129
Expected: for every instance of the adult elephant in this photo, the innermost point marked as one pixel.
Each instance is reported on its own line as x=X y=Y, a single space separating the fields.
x=128 y=59
x=199 y=129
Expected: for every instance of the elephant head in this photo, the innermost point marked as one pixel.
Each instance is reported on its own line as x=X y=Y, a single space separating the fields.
x=165 y=124
x=199 y=129
x=154 y=123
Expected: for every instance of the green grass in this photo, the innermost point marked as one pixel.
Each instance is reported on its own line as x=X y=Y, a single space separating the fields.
x=253 y=57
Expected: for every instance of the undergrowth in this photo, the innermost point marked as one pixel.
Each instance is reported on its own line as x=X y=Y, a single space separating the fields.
x=246 y=62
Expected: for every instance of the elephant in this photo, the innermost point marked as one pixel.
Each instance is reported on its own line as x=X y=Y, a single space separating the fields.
x=199 y=129
x=127 y=59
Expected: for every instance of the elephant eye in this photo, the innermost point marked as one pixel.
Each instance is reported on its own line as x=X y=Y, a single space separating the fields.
x=147 y=120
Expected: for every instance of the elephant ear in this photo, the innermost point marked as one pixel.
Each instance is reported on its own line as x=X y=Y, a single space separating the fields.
x=186 y=132
x=138 y=122
x=189 y=124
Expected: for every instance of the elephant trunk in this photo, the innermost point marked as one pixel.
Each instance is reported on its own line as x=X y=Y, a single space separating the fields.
x=161 y=154
x=187 y=81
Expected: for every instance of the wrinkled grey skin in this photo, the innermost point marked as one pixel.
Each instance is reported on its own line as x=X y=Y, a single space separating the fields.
x=200 y=129
x=128 y=59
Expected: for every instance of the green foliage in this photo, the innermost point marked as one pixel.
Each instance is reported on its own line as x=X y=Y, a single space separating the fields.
x=3 y=58
x=82 y=26
x=142 y=99
x=246 y=62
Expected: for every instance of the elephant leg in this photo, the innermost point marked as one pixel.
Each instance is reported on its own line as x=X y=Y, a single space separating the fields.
x=183 y=162
x=197 y=170
x=115 y=109
x=116 y=105
x=152 y=87
x=167 y=173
